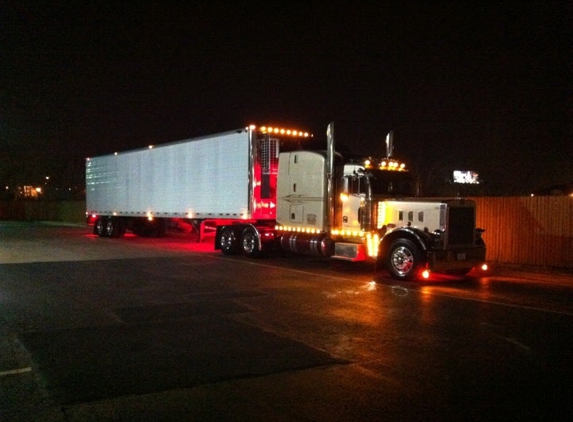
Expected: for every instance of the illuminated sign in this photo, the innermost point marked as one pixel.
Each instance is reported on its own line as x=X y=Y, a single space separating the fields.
x=466 y=177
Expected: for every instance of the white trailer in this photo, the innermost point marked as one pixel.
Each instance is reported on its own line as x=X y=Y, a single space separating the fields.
x=200 y=178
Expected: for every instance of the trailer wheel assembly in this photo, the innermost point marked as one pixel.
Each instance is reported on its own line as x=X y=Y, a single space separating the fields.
x=114 y=227
x=99 y=227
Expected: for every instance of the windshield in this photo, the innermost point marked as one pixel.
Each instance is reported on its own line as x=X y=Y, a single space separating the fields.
x=391 y=183
x=384 y=183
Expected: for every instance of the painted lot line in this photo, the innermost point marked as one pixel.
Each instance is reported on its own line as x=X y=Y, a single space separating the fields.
x=15 y=371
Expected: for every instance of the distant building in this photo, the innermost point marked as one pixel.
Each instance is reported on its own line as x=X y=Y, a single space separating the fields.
x=29 y=192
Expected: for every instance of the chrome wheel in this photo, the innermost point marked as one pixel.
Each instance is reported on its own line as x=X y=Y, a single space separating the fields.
x=99 y=227
x=228 y=241
x=250 y=243
x=404 y=259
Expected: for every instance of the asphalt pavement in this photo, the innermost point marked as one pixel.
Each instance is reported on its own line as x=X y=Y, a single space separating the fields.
x=158 y=330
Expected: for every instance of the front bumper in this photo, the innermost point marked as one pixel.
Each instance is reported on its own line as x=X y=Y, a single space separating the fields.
x=455 y=259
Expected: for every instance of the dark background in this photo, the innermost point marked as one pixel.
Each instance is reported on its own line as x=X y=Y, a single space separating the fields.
x=478 y=86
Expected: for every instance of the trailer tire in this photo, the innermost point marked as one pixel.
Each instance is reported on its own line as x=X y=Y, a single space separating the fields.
x=403 y=260
x=250 y=243
x=99 y=226
x=114 y=227
x=228 y=241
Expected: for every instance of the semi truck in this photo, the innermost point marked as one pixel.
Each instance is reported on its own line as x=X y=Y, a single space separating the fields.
x=261 y=189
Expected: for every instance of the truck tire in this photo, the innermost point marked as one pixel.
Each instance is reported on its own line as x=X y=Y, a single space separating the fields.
x=99 y=227
x=250 y=243
x=403 y=260
x=228 y=241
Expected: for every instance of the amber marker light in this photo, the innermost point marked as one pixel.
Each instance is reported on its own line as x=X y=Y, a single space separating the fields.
x=281 y=131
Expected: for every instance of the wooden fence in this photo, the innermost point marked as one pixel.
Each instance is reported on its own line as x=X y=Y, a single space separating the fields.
x=527 y=230
x=535 y=231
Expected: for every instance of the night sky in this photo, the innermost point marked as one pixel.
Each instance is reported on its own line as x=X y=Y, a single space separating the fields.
x=479 y=86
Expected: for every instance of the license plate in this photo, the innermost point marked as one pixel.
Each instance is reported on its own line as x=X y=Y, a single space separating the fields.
x=460 y=256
